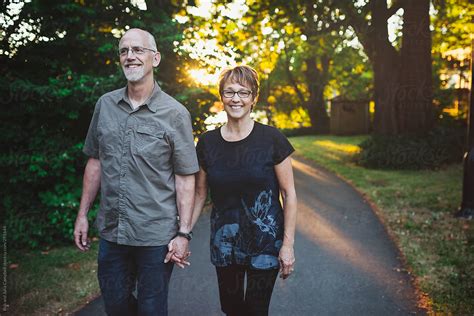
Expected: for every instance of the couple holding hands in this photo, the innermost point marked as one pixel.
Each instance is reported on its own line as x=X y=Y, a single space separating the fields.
x=154 y=183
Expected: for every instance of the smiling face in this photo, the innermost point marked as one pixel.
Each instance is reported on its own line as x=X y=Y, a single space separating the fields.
x=237 y=107
x=138 y=67
x=243 y=79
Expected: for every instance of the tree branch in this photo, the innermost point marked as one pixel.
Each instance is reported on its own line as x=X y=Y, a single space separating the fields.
x=290 y=75
x=396 y=5
x=360 y=26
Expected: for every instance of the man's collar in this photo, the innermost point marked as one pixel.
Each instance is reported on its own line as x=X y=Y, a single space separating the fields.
x=150 y=103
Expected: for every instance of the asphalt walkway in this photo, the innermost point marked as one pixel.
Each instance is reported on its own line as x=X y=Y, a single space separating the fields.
x=346 y=264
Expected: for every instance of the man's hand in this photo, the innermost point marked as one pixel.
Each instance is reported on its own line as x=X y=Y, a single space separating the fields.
x=90 y=187
x=178 y=252
x=81 y=228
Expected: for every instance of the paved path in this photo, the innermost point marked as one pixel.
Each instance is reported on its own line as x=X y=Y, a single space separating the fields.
x=345 y=262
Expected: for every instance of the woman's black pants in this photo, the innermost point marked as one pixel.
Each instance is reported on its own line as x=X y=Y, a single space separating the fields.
x=252 y=299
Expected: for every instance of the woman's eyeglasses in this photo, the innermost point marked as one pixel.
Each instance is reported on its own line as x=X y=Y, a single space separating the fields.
x=243 y=94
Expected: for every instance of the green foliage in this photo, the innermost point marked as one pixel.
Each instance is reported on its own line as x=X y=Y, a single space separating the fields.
x=41 y=160
x=351 y=75
x=453 y=24
x=41 y=190
x=443 y=145
x=49 y=84
x=197 y=101
x=291 y=132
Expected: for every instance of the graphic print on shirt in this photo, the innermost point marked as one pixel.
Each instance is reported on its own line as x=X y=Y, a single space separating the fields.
x=258 y=214
x=223 y=242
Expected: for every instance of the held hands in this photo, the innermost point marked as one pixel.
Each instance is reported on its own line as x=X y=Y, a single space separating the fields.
x=81 y=228
x=178 y=252
x=287 y=261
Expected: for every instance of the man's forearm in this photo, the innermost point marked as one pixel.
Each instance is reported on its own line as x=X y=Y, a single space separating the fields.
x=90 y=185
x=185 y=200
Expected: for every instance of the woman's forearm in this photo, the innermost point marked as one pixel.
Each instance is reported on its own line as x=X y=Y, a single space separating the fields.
x=200 y=195
x=284 y=173
x=289 y=213
x=199 y=201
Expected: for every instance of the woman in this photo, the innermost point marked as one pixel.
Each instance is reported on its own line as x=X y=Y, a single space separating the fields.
x=247 y=166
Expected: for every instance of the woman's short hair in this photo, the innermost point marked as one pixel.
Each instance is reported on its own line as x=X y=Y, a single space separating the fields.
x=243 y=75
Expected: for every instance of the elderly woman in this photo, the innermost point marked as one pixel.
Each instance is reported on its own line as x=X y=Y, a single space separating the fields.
x=247 y=166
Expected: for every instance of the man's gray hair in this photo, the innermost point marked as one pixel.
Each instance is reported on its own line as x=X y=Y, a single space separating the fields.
x=150 y=38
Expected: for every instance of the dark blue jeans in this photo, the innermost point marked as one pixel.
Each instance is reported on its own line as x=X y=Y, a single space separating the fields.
x=122 y=268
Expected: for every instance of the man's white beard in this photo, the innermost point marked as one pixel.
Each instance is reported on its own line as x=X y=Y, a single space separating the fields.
x=134 y=74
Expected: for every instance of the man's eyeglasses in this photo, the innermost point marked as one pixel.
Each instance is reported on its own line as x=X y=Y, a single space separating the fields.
x=136 y=50
x=243 y=94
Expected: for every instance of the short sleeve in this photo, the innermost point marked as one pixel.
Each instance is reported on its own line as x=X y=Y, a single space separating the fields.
x=281 y=147
x=91 y=144
x=200 y=149
x=184 y=153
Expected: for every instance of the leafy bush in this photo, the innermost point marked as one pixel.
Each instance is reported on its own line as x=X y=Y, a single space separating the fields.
x=41 y=160
x=302 y=131
x=41 y=194
x=443 y=145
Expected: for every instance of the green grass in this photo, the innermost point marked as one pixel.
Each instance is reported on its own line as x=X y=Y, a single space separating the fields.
x=50 y=282
x=418 y=208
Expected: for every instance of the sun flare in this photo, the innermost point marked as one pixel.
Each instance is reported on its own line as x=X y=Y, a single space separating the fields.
x=202 y=77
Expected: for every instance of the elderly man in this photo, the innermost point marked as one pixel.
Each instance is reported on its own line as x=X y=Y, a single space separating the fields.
x=142 y=157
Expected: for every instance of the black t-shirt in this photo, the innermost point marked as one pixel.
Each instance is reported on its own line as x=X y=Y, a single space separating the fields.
x=247 y=217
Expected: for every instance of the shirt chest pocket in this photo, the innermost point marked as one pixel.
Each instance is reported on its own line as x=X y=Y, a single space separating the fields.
x=109 y=140
x=151 y=142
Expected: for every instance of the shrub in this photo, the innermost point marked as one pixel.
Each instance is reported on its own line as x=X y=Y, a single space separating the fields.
x=302 y=131
x=42 y=191
x=443 y=145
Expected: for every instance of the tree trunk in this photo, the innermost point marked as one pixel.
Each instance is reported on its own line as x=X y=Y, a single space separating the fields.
x=415 y=95
x=386 y=66
x=316 y=80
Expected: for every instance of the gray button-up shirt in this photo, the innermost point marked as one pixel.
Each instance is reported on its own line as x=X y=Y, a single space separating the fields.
x=140 y=151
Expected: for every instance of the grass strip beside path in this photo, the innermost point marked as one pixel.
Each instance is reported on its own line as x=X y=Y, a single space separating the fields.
x=418 y=207
x=53 y=282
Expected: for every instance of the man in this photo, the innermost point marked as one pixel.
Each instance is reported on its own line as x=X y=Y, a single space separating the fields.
x=142 y=157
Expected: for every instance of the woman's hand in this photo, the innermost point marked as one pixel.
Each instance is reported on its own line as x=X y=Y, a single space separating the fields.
x=173 y=254
x=287 y=261
x=286 y=257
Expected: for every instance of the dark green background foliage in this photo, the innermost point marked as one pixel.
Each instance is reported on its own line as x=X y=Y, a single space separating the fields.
x=48 y=91
x=443 y=145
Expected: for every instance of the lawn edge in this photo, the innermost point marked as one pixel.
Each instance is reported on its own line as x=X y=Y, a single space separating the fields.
x=83 y=303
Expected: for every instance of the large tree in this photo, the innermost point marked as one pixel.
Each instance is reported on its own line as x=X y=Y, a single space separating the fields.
x=402 y=80
x=415 y=94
